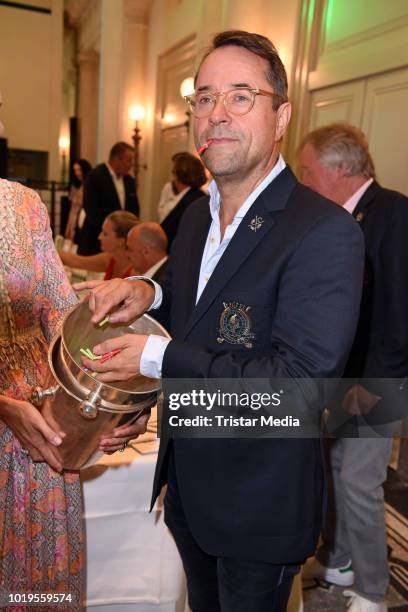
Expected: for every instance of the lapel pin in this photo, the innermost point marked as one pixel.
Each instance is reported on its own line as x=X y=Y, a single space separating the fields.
x=359 y=217
x=256 y=223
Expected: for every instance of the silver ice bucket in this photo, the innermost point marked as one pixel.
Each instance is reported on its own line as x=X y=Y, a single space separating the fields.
x=80 y=405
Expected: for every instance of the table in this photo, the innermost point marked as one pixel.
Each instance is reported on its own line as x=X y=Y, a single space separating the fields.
x=132 y=561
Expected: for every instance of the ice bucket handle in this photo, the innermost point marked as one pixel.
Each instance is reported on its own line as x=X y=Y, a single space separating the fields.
x=89 y=407
x=39 y=395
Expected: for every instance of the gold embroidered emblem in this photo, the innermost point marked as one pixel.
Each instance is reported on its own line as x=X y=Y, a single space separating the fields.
x=235 y=325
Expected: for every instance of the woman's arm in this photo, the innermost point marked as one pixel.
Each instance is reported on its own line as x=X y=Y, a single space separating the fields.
x=93 y=263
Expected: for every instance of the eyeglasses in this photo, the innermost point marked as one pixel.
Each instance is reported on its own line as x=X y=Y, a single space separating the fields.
x=236 y=101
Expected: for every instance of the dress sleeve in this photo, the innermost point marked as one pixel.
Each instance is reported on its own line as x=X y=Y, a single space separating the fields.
x=52 y=292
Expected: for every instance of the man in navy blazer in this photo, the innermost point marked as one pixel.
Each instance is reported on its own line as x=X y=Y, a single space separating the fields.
x=107 y=187
x=264 y=281
x=336 y=162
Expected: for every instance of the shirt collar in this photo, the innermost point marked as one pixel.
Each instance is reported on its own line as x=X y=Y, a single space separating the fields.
x=113 y=173
x=153 y=269
x=352 y=202
x=215 y=197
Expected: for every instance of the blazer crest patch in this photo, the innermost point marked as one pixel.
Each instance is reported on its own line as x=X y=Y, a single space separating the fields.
x=235 y=325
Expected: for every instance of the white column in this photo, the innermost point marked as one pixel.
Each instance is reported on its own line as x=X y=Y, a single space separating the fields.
x=88 y=76
x=133 y=87
x=110 y=76
x=55 y=75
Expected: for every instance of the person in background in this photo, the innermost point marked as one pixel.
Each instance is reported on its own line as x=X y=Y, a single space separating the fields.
x=189 y=176
x=80 y=170
x=335 y=162
x=107 y=188
x=168 y=193
x=147 y=250
x=114 y=259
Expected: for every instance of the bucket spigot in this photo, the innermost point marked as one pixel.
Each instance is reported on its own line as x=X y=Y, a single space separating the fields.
x=38 y=395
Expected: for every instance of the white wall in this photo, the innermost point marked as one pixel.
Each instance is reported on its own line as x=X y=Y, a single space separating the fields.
x=30 y=78
x=361 y=76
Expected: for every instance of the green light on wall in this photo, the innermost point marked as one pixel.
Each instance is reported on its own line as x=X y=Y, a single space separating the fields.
x=328 y=26
x=310 y=16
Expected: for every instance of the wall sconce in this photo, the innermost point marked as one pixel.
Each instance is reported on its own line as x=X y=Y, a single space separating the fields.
x=137 y=113
x=64 y=148
x=186 y=89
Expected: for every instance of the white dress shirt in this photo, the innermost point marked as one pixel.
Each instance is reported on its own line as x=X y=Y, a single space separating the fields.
x=152 y=271
x=152 y=356
x=169 y=200
x=119 y=186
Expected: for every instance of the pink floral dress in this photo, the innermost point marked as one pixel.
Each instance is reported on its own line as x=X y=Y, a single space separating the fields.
x=41 y=539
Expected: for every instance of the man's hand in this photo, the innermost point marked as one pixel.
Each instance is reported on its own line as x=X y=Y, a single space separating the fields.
x=358 y=401
x=114 y=441
x=32 y=431
x=123 y=366
x=129 y=299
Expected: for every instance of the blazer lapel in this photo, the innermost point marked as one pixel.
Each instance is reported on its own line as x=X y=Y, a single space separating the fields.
x=253 y=228
x=199 y=232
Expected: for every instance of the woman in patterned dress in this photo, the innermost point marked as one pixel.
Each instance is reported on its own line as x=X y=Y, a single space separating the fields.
x=41 y=540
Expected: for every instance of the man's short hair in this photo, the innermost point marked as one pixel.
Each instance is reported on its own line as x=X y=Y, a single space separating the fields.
x=189 y=170
x=261 y=46
x=119 y=148
x=153 y=235
x=342 y=145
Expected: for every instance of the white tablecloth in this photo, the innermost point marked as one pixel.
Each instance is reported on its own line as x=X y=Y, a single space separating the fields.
x=132 y=561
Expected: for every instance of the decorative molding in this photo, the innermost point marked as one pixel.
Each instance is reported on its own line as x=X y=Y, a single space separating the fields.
x=369 y=52
x=88 y=59
x=138 y=12
x=367 y=35
x=183 y=49
x=309 y=42
x=90 y=27
x=85 y=17
x=375 y=93
x=173 y=65
x=352 y=65
x=75 y=9
x=339 y=103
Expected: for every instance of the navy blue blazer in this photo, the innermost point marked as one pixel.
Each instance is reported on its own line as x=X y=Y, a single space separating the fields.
x=301 y=274
x=171 y=222
x=380 y=350
x=100 y=199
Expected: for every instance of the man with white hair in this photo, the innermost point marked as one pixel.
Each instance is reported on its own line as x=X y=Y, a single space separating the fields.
x=336 y=163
